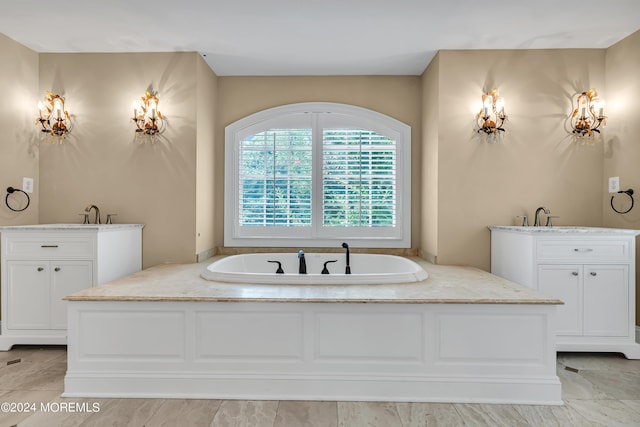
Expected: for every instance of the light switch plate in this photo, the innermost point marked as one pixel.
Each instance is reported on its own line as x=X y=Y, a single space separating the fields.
x=614 y=184
x=27 y=185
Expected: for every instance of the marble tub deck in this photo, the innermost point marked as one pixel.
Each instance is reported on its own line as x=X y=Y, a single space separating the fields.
x=445 y=285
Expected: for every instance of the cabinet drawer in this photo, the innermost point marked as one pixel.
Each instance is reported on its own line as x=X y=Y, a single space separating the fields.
x=584 y=250
x=49 y=246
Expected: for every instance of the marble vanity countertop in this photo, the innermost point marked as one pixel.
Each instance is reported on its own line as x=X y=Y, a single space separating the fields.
x=58 y=227
x=445 y=285
x=565 y=230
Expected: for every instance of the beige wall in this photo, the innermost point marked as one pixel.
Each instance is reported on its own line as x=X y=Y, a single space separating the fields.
x=460 y=183
x=429 y=162
x=206 y=182
x=395 y=96
x=101 y=162
x=536 y=162
x=18 y=144
x=622 y=147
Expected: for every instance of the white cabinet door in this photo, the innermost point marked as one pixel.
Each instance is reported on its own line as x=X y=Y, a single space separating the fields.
x=606 y=300
x=67 y=277
x=564 y=282
x=36 y=290
x=28 y=295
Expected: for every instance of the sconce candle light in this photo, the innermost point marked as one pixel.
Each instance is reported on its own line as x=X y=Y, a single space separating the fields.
x=53 y=118
x=491 y=116
x=588 y=114
x=146 y=116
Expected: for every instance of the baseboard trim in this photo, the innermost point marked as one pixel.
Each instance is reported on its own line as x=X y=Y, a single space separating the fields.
x=433 y=259
x=206 y=385
x=204 y=255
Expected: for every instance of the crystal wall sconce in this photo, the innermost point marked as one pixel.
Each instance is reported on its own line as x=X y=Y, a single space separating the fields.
x=54 y=118
x=146 y=116
x=588 y=114
x=491 y=117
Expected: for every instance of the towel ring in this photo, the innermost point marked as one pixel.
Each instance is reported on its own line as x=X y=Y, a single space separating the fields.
x=12 y=190
x=629 y=193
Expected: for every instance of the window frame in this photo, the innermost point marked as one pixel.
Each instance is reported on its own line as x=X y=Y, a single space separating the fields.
x=317 y=114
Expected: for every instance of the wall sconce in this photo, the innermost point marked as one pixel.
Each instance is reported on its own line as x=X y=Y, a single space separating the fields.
x=146 y=116
x=491 y=116
x=588 y=114
x=53 y=118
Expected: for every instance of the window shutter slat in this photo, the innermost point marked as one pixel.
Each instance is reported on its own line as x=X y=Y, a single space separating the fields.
x=359 y=179
x=275 y=178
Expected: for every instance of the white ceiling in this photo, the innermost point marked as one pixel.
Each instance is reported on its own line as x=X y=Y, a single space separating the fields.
x=322 y=37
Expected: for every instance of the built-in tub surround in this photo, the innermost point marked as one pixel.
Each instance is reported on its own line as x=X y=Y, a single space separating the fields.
x=462 y=335
x=367 y=269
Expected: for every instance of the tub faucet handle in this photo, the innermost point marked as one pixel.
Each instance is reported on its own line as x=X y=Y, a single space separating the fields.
x=279 y=270
x=325 y=270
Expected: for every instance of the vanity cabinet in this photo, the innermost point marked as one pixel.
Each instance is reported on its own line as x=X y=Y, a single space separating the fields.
x=40 y=265
x=591 y=270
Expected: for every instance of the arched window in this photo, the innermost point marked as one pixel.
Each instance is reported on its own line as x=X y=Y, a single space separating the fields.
x=315 y=175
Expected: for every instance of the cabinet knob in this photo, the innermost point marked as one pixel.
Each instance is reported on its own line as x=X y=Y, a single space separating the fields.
x=593 y=273
x=57 y=269
x=40 y=268
x=574 y=273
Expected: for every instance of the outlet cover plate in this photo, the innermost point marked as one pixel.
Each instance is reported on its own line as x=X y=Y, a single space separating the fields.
x=614 y=184
x=27 y=185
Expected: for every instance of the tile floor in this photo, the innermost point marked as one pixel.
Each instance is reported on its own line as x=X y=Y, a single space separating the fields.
x=598 y=390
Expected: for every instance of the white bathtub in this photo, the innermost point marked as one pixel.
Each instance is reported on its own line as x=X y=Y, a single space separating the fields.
x=367 y=269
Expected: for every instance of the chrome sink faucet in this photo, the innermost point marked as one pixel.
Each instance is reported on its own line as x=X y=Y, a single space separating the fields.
x=88 y=210
x=537 y=217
